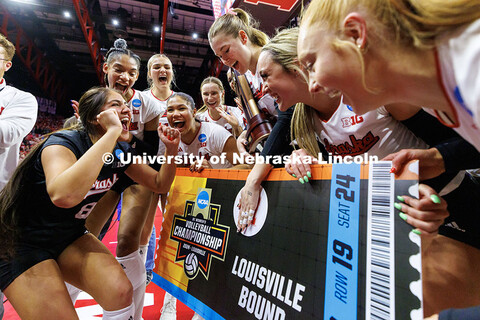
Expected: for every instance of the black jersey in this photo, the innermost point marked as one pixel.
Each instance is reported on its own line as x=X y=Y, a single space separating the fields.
x=38 y=218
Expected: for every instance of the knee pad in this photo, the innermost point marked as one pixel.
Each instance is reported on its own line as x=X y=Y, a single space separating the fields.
x=72 y=291
x=122 y=314
x=138 y=299
x=142 y=250
x=134 y=268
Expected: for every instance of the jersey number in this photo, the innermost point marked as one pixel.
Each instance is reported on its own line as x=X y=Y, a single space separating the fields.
x=85 y=211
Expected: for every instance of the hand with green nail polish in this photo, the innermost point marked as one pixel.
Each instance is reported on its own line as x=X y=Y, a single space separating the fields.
x=435 y=198
x=299 y=165
x=425 y=214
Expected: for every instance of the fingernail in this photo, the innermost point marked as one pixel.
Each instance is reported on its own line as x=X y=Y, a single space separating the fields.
x=393 y=170
x=309 y=174
x=301 y=181
x=293 y=175
x=305 y=178
x=397 y=206
x=400 y=198
x=435 y=199
x=403 y=216
x=416 y=231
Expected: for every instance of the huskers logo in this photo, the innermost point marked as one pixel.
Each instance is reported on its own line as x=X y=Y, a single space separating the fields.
x=199 y=235
x=355 y=147
x=102 y=185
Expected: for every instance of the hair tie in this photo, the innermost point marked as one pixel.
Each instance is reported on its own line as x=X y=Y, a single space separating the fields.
x=230 y=11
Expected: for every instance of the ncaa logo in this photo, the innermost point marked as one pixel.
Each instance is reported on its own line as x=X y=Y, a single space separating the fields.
x=202 y=200
x=202 y=137
x=136 y=103
x=118 y=153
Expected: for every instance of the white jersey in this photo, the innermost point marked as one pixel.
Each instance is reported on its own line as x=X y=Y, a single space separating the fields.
x=206 y=117
x=265 y=102
x=144 y=110
x=18 y=113
x=459 y=61
x=376 y=133
x=209 y=141
x=162 y=104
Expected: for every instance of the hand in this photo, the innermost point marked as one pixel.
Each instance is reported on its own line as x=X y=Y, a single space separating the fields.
x=109 y=120
x=231 y=119
x=75 y=108
x=427 y=213
x=170 y=138
x=238 y=102
x=432 y=317
x=431 y=161
x=249 y=198
x=301 y=170
x=242 y=142
x=199 y=165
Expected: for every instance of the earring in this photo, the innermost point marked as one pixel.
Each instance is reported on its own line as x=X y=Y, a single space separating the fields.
x=362 y=49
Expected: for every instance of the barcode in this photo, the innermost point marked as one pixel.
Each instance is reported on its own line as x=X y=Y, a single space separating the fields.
x=380 y=281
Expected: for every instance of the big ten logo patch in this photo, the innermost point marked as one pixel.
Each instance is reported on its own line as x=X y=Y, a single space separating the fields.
x=136 y=104
x=199 y=235
x=351 y=121
x=202 y=138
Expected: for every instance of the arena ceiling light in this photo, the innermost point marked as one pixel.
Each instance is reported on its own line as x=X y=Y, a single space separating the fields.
x=25 y=1
x=67 y=14
x=115 y=22
x=195 y=35
x=156 y=29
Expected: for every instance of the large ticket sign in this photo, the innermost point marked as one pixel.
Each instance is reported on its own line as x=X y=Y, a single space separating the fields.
x=333 y=248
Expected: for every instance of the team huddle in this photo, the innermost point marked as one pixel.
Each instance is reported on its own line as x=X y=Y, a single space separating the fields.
x=395 y=79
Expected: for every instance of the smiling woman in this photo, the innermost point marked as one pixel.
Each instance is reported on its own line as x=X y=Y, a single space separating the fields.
x=214 y=110
x=202 y=139
x=236 y=41
x=44 y=206
x=381 y=52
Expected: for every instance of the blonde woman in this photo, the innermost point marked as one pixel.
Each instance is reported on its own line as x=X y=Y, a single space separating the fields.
x=235 y=39
x=379 y=52
x=336 y=126
x=214 y=109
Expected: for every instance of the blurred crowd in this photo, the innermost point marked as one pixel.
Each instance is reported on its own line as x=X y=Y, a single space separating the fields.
x=46 y=123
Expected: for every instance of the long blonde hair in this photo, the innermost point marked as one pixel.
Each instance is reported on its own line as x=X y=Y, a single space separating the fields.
x=282 y=49
x=231 y=24
x=413 y=23
x=216 y=81
x=303 y=128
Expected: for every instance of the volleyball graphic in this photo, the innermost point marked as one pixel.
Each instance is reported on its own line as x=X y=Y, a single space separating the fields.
x=190 y=265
